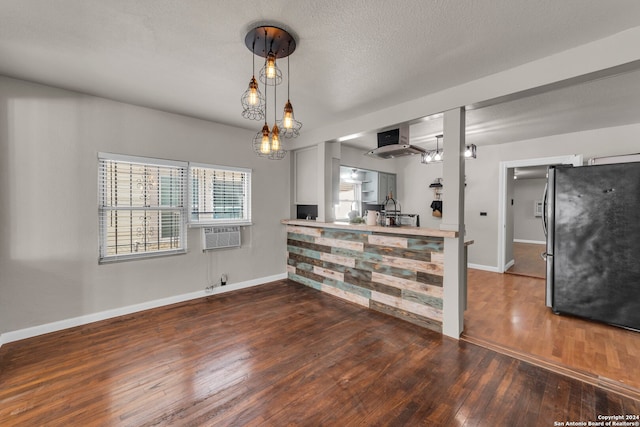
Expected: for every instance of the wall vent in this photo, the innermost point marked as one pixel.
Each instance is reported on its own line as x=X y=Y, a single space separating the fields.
x=220 y=237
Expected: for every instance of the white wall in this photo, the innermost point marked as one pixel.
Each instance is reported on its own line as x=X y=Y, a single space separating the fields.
x=49 y=140
x=527 y=226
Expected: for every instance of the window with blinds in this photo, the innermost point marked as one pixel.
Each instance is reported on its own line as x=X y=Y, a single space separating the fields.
x=142 y=207
x=219 y=195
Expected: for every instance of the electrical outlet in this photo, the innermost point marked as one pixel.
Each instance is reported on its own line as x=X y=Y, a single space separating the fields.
x=223 y=279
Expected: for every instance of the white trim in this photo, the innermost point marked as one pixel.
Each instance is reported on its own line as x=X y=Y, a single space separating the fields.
x=533 y=242
x=121 y=311
x=509 y=265
x=574 y=159
x=484 y=267
x=218 y=167
x=142 y=160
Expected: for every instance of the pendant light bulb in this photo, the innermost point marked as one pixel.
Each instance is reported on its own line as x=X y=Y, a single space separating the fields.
x=437 y=157
x=270 y=66
x=428 y=158
x=287 y=117
x=275 y=138
x=253 y=98
x=265 y=144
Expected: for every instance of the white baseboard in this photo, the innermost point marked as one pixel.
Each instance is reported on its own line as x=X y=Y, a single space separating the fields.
x=535 y=242
x=509 y=264
x=484 y=267
x=33 y=331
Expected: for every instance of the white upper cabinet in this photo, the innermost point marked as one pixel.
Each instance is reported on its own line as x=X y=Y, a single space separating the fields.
x=306 y=176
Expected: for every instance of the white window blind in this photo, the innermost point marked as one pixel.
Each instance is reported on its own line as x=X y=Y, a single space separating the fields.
x=219 y=195
x=142 y=207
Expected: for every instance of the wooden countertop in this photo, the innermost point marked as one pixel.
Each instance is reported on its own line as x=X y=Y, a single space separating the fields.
x=402 y=230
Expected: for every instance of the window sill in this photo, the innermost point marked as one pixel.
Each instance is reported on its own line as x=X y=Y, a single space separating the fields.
x=139 y=256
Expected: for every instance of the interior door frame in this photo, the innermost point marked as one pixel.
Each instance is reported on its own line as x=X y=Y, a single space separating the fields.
x=573 y=159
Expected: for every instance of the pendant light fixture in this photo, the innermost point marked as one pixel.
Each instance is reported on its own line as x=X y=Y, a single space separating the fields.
x=437 y=155
x=277 y=151
x=290 y=126
x=252 y=99
x=271 y=43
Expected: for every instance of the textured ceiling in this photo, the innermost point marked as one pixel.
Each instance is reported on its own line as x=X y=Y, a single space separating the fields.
x=353 y=57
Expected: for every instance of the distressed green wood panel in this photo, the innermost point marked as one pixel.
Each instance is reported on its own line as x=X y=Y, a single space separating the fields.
x=304 y=252
x=420 y=298
x=334 y=267
x=398 y=252
x=352 y=236
x=302 y=259
x=429 y=279
x=348 y=287
x=431 y=244
x=303 y=266
x=385 y=269
x=305 y=281
x=416 y=319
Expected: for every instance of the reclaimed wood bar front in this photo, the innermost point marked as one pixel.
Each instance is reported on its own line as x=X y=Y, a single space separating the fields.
x=395 y=270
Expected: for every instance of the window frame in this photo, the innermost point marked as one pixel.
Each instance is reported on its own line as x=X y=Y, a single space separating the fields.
x=104 y=208
x=244 y=221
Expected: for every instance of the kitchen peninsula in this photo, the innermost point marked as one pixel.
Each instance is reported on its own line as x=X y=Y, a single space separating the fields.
x=395 y=270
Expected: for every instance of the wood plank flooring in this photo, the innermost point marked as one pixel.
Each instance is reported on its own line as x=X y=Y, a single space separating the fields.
x=527 y=260
x=507 y=313
x=279 y=354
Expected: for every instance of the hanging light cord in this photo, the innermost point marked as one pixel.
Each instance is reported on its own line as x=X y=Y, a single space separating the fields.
x=288 y=71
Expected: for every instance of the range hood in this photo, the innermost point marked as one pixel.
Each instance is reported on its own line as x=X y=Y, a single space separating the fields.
x=394 y=143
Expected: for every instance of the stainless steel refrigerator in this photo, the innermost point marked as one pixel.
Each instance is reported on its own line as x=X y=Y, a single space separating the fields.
x=592 y=222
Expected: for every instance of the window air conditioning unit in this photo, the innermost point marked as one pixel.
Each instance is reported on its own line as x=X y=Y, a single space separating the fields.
x=220 y=237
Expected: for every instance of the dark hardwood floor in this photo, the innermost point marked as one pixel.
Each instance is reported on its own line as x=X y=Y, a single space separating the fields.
x=507 y=313
x=279 y=354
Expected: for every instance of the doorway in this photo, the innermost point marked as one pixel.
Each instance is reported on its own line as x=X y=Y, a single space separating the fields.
x=529 y=241
x=506 y=194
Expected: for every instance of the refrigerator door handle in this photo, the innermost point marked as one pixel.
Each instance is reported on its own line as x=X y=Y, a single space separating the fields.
x=544 y=209
x=549 y=281
x=549 y=217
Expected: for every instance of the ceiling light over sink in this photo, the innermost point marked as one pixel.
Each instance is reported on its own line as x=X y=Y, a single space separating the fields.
x=437 y=155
